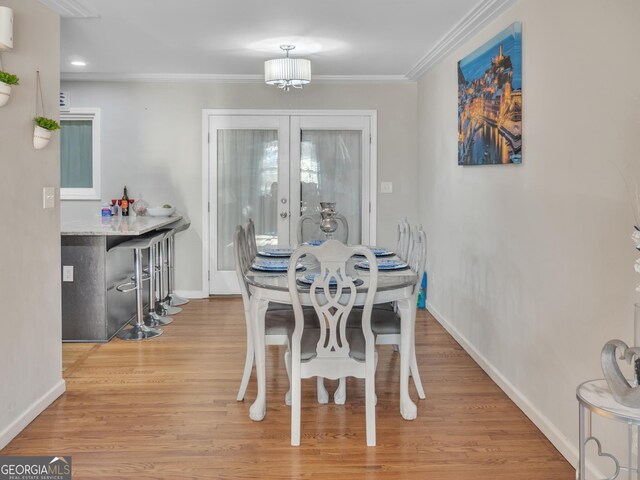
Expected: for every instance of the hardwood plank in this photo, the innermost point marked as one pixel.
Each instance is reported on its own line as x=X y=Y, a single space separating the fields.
x=166 y=408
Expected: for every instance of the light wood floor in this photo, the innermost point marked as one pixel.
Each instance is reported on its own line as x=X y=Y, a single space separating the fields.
x=166 y=408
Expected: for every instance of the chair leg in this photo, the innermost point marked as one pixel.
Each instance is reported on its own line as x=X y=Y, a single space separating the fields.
x=287 y=365
x=340 y=395
x=322 y=394
x=248 y=366
x=370 y=402
x=295 y=405
x=413 y=368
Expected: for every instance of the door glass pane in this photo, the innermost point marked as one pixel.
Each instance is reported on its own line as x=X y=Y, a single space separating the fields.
x=247 y=188
x=331 y=171
x=76 y=154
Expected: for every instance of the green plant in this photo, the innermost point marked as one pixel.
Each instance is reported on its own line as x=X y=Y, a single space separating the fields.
x=9 y=78
x=47 y=123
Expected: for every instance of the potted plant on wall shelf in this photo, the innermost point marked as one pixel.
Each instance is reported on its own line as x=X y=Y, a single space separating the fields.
x=6 y=80
x=42 y=132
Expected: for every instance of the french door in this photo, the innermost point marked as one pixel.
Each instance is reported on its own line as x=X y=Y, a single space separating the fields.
x=275 y=168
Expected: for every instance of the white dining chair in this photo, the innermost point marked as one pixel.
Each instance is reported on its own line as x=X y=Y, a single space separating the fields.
x=341 y=234
x=250 y=232
x=278 y=319
x=330 y=349
x=403 y=239
x=385 y=322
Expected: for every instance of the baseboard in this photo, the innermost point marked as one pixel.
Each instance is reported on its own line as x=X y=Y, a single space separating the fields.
x=568 y=449
x=35 y=409
x=190 y=294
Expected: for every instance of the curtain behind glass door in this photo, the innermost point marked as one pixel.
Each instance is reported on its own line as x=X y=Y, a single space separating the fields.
x=331 y=171
x=247 y=188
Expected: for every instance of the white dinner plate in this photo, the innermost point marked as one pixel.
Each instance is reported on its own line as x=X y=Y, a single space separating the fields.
x=314 y=243
x=277 y=252
x=384 y=265
x=380 y=252
x=264 y=265
x=309 y=278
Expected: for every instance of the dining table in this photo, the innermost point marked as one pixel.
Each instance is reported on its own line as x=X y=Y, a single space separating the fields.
x=393 y=286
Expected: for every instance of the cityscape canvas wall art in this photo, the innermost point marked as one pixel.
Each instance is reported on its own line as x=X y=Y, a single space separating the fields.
x=490 y=101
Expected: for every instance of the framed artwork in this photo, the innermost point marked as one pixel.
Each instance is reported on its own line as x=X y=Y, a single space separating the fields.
x=490 y=101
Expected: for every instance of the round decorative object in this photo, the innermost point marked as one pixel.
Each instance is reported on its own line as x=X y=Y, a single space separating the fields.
x=5 y=93
x=621 y=389
x=161 y=211
x=140 y=207
x=328 y=223
x=41 y=137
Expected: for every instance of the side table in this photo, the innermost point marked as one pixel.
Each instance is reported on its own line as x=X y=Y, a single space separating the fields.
x=594 y=396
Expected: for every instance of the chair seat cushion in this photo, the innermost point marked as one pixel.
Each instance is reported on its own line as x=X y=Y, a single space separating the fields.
x=310 y=337
x=383 y=322
x=278 y=322
x=389 y=306
x=279 y=319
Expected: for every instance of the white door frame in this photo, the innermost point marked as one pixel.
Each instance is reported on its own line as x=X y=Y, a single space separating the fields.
x=345 y=122
x=208 y=201
x=226 y=282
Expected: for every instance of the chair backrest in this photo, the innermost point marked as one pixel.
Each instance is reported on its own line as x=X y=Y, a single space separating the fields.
x=333 y=294
x=341 y=234
x=403 y=239
x=418 y=255
x=250 y=232
x=241 y=254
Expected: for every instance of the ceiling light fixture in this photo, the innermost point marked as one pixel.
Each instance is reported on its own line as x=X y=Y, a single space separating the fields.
x=287 y=72
x=78 y=63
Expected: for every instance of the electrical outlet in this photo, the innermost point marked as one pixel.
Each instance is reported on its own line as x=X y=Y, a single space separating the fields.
x=67 y=273
x=386 y=187
x=48 y=197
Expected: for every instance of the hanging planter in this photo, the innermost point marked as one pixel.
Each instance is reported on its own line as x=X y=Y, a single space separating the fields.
x=42 y=131
x=6 y=81
x=44 y=126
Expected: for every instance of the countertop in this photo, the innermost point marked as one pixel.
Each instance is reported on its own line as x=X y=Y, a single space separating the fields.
x=116 y=225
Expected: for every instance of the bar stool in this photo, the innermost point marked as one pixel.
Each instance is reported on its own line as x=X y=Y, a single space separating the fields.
x=163 y=272
x=139 y=331
x=156 y=316
x=172 y=299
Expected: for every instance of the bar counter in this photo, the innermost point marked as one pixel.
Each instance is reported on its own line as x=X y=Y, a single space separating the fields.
x=116 y=225
x=92 y=309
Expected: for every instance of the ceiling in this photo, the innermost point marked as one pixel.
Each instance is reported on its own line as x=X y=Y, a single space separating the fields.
x=225 y=39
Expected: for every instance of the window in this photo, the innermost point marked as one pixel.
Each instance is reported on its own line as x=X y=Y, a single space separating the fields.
x=80 y=154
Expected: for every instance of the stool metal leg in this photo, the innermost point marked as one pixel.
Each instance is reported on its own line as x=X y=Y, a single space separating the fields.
x=172 y=299
x=153 y=319
x=165 y=307
x=139 y=331
x=580 y=472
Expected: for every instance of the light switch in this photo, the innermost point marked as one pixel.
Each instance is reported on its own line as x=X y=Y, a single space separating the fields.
x=48 y=197
x=386 y=187
x=67 y=273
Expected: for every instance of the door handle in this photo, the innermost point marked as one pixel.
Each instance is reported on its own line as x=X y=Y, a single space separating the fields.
x=284 y=214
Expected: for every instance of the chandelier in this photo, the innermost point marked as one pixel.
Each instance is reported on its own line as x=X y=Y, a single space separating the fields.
x=287 y=72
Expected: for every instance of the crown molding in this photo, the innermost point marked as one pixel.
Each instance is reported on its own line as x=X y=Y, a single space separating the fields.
x=71 y=8
x=483 y=13
x=219 y=78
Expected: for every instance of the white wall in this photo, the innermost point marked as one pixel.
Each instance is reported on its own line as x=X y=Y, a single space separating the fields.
x=531 y=266
x=30 y=329
x=152 y=142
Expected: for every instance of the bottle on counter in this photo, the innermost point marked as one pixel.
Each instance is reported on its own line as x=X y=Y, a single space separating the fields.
x=124 y=205
x=106 y=210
